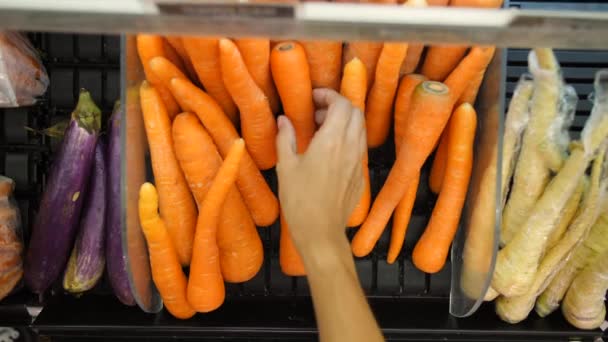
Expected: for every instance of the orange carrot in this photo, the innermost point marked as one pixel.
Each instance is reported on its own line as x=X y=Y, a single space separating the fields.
x=401 y=220
x=167 y=272
x=165 y=70
x=429 y=112
x=148 y=47
x=433 y=247
x=260 y=200
x=475 y=62
x=289 y=258
x=205 y=56
x=325 y=61
x=439 y=163
x=258 y=125
x=402 y=104
x=354 y=88
x=241 y=251
x=470 y=93
x=437 y=2
x=291 y=75
x=206 y=285
x=412 y=59
x=368 y=53
x=477 y=3
x=256 y=55
x=440 y=60
x=382 y=94
x=178 y=46
x=177 y=207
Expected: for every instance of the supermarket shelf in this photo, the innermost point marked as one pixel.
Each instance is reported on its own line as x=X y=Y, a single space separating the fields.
x=104 y=317
x=505 y=27
x=14 y=310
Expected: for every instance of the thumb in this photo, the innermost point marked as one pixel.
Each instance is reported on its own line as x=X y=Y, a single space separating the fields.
x=286 y=141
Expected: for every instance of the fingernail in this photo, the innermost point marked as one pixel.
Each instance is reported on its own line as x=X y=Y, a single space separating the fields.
x=280 y=121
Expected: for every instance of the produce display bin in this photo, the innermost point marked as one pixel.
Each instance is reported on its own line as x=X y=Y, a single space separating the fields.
x=409 y=304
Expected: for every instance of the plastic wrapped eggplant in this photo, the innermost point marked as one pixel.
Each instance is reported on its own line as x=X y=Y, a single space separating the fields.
x=57 y=221
x=86 y=264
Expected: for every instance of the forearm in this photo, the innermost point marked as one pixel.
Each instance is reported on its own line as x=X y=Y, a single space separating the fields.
x=342 y=311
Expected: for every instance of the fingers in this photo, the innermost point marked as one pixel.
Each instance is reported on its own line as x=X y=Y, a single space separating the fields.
x=286 y=141
x=320 y=116
x=324 y=97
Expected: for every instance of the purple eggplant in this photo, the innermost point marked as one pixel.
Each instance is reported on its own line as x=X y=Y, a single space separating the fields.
x=87 y=260
x=116 y=260
x=57 y=220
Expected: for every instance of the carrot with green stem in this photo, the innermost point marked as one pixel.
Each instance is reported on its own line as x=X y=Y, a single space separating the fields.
x=241 y=250
x=256 y=55
x=381 y=96
x=325 y=61
x=205 y=56
x=177 y=207
x=258 y=197
x=402 y=104
x=167 y=271
x=258 y=125
x=431 y=250
x=354 y=88
x=368 y=53
x=429 y=112
x=206 y=290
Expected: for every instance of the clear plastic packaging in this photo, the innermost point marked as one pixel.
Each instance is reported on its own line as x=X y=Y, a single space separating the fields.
x=11 y=243
x=22 y=75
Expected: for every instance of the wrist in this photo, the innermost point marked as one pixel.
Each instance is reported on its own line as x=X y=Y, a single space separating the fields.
x=325 y=256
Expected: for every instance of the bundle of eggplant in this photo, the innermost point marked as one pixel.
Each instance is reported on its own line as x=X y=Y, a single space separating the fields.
x=554 y=232
x=77 y=230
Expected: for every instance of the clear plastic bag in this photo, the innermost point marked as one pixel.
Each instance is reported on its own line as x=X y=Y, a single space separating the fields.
x=22 y=75
x=11 y=243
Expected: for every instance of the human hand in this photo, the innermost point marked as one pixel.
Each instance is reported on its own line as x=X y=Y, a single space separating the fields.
x=319 y=189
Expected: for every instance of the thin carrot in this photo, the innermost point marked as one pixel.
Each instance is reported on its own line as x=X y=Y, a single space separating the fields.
x=177 y=207
x=382 y=94
x=429 y=112
x=167 y=272
x=258 y=125
x=260 y=200
x=325 y=61
x=477 y=3
x=148 y=47
x=470 y=93
x=165 y=70
x=431 y=250
x=414 y=51
x=177 y=45
x=205 y=56
x=206 y=285
x=463 y=75
x=289 y=258
x=401 y=220
x=256 y=55
x=241 y=251
x=402 y=104
x=368 y=53
x=439 y=164
x=440 y=60
x=354 y=88
x=291 y=75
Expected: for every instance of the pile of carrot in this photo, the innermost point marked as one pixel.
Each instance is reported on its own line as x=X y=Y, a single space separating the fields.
x=209 y=106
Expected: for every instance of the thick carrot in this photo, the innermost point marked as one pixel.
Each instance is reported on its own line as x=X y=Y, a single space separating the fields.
x=477 y=3
x=470 y=93
x=206 y=285
x=241 y=251
x=205 y=56
x=368 y=53
x=260 y=200
x=430 y=252
x=439 y=163
x=178 y=46
x=291 y=75
x=256 y=55
x=463 y=75
x=440 y=60
x=258 y=125
x=148 y=47
x=354 y=88
x=429 y=112
x=325 y=61
x=402 y=104
x=177 y=208
x=382 y=94
x=167 y=272
x=401 y=220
